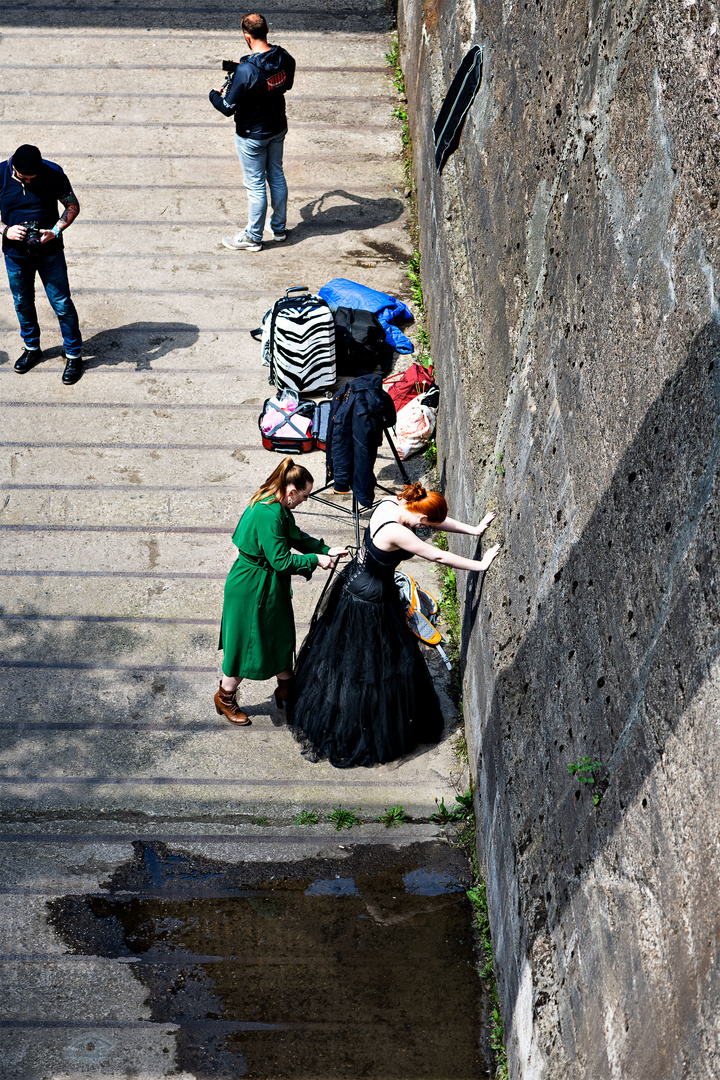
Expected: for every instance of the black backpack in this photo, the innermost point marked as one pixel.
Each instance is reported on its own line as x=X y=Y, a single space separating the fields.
x=360 y=343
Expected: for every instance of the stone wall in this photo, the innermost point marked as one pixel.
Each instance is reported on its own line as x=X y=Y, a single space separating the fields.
x=569 y=256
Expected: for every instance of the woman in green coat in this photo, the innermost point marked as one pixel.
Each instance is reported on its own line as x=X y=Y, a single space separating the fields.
x=257 y=634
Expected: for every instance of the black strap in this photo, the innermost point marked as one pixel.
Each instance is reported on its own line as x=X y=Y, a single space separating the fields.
x=373 y=535
x=256 y=334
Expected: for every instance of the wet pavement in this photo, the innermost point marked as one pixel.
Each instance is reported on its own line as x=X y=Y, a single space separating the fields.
x=347 y=960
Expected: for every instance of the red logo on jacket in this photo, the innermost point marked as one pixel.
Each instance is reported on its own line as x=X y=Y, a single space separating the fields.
x=276 y=81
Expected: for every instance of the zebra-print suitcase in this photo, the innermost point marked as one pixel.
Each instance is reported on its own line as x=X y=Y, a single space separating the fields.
x=298 y=337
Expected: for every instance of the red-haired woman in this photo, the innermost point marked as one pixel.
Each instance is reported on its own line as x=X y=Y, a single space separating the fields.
x=258 y=630
x=361 y=691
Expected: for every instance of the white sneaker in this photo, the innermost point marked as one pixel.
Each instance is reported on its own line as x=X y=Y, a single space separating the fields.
x=279 y=237
x=241 y=242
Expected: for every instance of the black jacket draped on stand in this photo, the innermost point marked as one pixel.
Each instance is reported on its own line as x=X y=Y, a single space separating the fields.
x=360 y=410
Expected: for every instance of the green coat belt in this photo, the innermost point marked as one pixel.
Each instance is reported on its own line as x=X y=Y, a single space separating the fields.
x=257 y=633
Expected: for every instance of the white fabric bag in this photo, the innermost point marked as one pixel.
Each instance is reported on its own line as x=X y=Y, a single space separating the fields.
x=414 y=427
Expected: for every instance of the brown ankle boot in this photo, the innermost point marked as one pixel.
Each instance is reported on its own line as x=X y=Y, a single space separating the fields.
x=281 y=692
x=227 y=706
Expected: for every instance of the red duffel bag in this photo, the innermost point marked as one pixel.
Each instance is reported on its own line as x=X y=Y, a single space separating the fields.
x=405 y=385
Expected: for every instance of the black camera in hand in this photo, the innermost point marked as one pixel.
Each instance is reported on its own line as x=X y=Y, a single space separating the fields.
x=32 y=235
x=230 y=67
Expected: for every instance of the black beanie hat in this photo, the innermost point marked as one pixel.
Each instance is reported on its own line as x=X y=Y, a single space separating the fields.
x=27 y=160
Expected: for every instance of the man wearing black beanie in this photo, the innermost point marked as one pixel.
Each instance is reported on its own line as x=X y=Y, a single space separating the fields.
x=30 y=189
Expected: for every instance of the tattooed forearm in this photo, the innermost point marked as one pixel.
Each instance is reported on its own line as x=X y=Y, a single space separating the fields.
x=71 y=211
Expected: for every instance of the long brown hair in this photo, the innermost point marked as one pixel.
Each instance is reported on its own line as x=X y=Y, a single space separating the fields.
x=431 y=504
x=287 y=473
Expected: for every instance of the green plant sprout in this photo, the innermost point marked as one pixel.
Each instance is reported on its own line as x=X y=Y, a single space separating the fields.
x=307 y=817
x=464 y=806
x=585 y=772
x=343 y=819
x=481 y=924
x=461 y=746
x=442 y=815
x=461 y=811
x=413 y=273
x=430 y=454
x=393 y=59
x=394 y=815
x=499 y=467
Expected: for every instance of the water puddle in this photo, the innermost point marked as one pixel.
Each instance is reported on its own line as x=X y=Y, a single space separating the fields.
x=360 y=966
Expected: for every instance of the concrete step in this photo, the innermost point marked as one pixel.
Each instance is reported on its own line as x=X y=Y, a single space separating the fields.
x=149 y=549
x=183 y=136
x=128 y=425
x=109 y=84
x=166 y=52
x=223 y=388
x=226 y=464
x=132 y=597
x=218 y=506
x=223 y=271
x=303 y=108
x=214 y=798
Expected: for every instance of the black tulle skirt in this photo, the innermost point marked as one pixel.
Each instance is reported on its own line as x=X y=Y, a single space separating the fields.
x=362 y=693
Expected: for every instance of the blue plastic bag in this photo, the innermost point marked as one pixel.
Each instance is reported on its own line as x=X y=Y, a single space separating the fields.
x=343 y=293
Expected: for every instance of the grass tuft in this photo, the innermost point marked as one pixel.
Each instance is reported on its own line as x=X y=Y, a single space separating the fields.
x=477 y=896
x=343 y=819
x=394 y=815
x=462 y=810
x=307 y=817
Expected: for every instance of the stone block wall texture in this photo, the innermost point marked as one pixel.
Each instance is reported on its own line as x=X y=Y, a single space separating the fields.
x=570 y=253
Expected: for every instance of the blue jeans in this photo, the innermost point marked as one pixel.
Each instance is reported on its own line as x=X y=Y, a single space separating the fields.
x=261 y=161
x=53 y=274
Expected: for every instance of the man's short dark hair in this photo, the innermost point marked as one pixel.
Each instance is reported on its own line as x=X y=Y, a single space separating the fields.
x=27 y=160
x=256 y=26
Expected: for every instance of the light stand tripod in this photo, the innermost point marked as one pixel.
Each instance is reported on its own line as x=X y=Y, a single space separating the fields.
x=357 y=510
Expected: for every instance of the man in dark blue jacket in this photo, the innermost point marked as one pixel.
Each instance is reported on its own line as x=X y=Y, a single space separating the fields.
x=30 y=189
x=256 y=95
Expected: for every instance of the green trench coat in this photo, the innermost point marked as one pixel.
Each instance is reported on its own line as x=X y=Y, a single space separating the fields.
x=257 y=632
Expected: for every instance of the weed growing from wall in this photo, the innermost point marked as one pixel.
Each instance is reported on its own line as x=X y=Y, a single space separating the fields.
x=586 y=772
x=449 y=607
x=481 y=925
x=400 y=110
x=413 y=273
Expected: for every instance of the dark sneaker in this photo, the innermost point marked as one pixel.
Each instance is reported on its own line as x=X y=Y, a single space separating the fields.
x=29 y=359
x=73 y=369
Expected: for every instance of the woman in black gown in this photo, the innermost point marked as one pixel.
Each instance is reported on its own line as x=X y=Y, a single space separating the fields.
x=361 y=691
